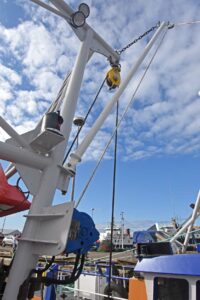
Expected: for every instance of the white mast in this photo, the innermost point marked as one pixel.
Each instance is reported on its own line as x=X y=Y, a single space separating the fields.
x=77 y=155
x=46 y=228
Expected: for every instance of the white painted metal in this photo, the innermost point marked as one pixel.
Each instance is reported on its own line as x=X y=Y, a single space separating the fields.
x=46 y=141
x=12 y=133
x=76 y=157
x=71 y=96
x=30 y=175
x=48 y=7
x=188 y=225
x=39 y=235
x=51 y=229
x=98 y=44
x=23 y=156
x=26 y=257
x=195 y=214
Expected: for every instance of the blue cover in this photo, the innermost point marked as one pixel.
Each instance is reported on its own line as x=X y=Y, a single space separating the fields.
x=180 y=264
x=144 y=236
x=83 y=233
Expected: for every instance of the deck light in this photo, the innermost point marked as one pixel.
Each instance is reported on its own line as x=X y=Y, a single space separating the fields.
x=78 y=19
x=84 y=8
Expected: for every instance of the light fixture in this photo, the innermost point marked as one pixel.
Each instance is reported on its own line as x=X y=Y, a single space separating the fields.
x=79 y=121
x=84 y=8
x=78 y=19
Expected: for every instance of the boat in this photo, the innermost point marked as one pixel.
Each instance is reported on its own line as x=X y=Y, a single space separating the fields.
x=162 y=232
x=121 y=237
x=169 y=277
x=121 y=240
x=39 y=157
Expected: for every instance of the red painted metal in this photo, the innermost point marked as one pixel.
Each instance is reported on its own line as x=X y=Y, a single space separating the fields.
x=12 y=200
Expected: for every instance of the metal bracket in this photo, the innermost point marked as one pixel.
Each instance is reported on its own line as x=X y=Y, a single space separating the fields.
x=52 y=229
x=46 y=141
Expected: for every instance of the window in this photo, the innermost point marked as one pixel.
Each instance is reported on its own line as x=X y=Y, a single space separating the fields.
x=171 y=289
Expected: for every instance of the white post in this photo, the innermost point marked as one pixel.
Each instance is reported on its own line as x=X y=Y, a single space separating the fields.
x=70 y=99
x=76 y=156
x=25 y=260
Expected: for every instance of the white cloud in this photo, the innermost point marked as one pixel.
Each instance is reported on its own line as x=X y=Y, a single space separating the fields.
x=8 y=80
x=10 y=75
x=164 y=117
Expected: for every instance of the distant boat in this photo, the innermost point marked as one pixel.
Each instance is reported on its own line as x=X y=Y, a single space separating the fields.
x=121 y=239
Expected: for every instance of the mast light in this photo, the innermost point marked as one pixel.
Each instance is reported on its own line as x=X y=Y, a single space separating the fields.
x=84 y=8
x=78 y=19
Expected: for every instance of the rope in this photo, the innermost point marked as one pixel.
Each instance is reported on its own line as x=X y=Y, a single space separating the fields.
x=107 y=257
x=119 y=123
x=186 y=23
x=113 y=202
x=181 y=234
x=79 y=130
x=26 y=193
x=57 y=102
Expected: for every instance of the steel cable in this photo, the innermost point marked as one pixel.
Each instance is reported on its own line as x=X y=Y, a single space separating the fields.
x=119 y=123
x=79 y=130
x=186 y=23
x=113 y=201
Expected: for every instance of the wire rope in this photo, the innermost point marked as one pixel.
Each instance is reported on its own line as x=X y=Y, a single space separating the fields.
x=186 y=23
x=119 y=123
x=80 y=128
x=113 y=200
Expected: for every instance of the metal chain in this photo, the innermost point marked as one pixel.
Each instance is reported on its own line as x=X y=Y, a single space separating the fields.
x=139 y=38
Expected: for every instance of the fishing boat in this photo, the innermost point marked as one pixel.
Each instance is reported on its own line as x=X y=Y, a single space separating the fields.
x=43 y=162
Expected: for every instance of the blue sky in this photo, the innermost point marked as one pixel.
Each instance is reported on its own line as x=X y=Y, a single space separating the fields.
x=159 y=143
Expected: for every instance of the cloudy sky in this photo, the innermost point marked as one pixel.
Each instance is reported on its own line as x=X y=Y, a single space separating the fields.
x=159 y=142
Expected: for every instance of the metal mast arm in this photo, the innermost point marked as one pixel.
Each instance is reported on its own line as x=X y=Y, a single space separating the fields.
x=38 y=238
x=98 y=44
x=77 y=155
x=187 y=226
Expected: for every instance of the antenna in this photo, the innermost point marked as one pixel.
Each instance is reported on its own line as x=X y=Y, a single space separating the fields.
x=122 y=228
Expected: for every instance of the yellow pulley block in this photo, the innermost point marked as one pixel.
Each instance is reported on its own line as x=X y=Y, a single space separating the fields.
x=113 y=77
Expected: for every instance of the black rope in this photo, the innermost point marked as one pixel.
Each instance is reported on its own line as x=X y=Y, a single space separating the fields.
x=113 y=203
x=19 y=188
x=74 y=276
x=79 y=130
x=27 y=287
